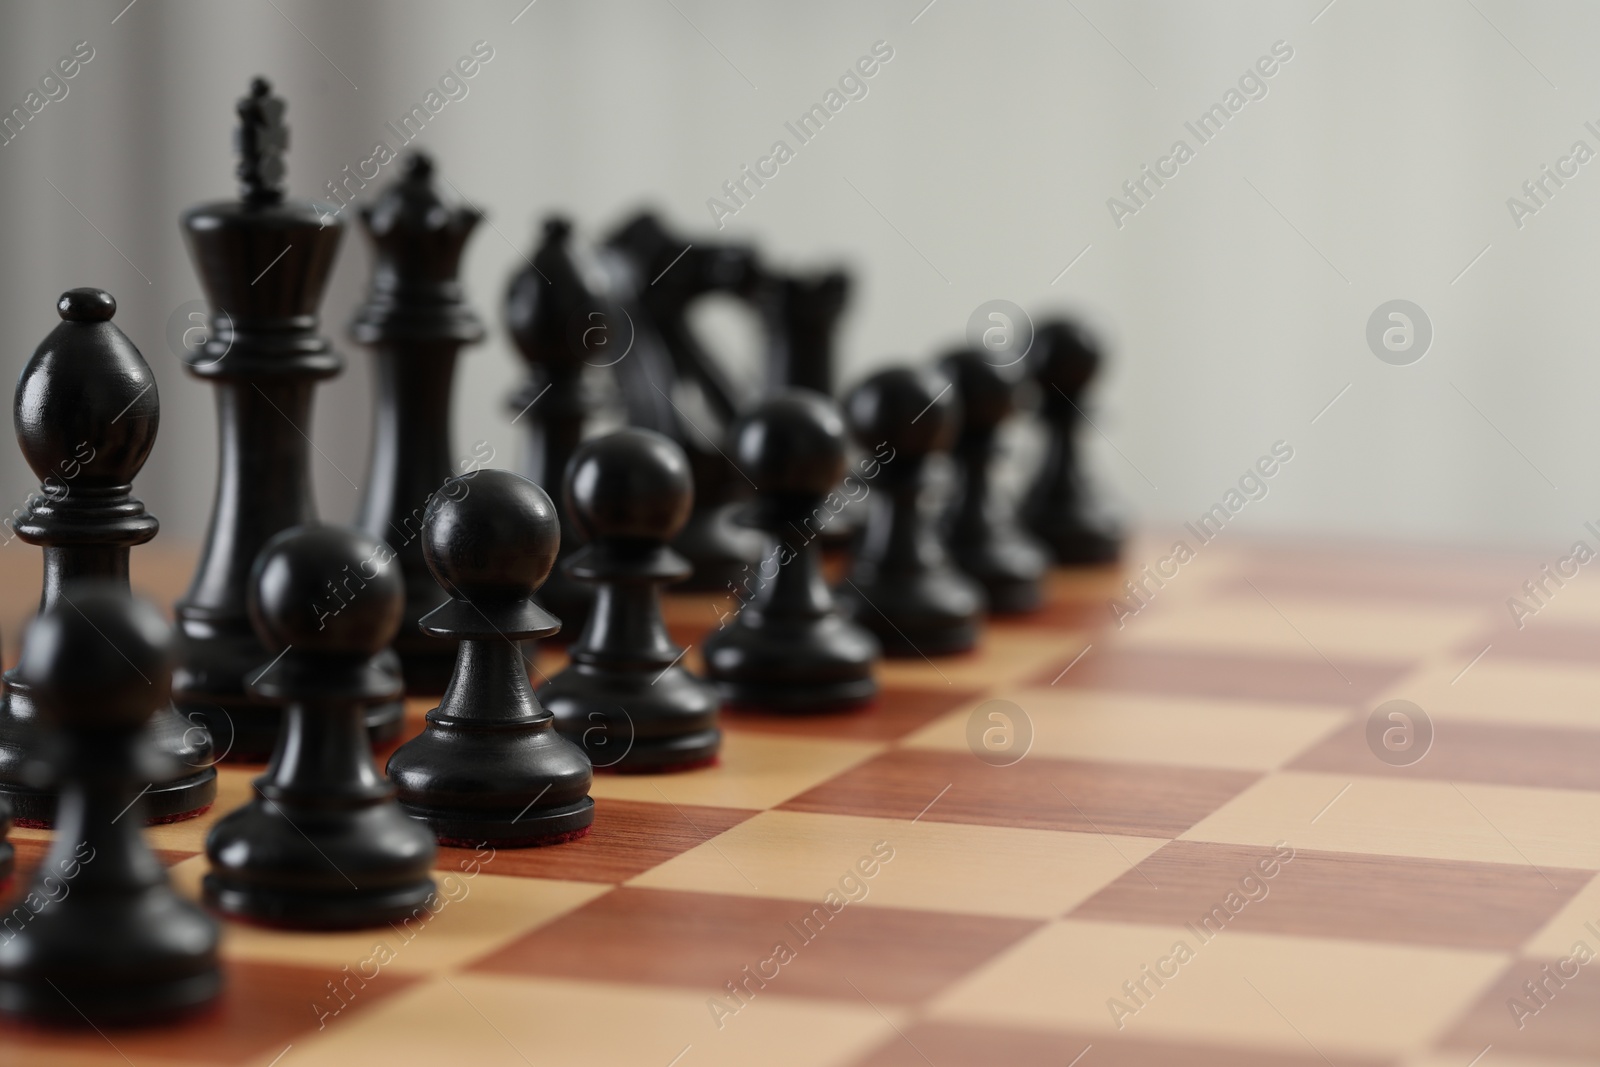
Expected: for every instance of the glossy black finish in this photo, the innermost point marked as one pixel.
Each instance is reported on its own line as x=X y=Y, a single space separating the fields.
x=661 y=275
x=1058 y=507
x=322 y=844
x=801 y=314
x=113 y=945
x=86 y=412
x=415 y=319
x=626 y=697
x=790 y=649
x=560 y=327
x=263 y=262
x=902 y=585
x=981 y=527
x=8 y=854
x=489 y=767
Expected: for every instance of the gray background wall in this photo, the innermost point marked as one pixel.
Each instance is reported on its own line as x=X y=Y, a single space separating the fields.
x=978 y=166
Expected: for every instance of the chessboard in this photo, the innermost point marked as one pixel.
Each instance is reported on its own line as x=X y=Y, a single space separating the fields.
x=1181 y=837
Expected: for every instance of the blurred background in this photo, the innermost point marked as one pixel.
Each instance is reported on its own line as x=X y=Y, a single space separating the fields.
x=1376 y=163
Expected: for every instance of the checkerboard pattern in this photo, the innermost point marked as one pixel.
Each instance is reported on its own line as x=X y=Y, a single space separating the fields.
x=1199 y=859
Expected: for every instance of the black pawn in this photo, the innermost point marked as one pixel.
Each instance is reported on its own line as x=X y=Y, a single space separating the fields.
x=790 y=649
x=416 y=319
x=490 y=766
x=560 y=328
x=322 y=844
x=626 y=698
x=263 y=261
x=86 y=413
x=981 y=527
x=1058 y=508
x=113 y=944
x=902 y=585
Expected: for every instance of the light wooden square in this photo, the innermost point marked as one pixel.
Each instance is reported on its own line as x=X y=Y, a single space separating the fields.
x=1504 y=690
x=1303 y=995
x=1303 y=625
x=982 y=870
x=498 y=1021
x=1413 y=817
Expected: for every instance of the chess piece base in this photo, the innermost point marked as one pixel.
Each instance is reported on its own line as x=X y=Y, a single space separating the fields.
x=146 y=1001
x=669 y=717
x=947 y=640
x=936 y=612
x=825 y=665
x=315 y=909
x=116 y=962
x=1010 y=595
x=1011 y=573
x=174 y=801
x=793 y=700
x=546 y=826
x=1074 y=544
x=664 y=755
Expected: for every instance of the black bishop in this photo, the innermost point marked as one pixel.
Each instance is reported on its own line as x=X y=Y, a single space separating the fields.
x=86 y=413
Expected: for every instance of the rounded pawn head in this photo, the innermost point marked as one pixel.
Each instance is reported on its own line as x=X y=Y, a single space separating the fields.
x=326 y=590
x=791 y=445
x=914 y=410
x=988 y=392
x=490 y=535
x=86 y=305
x=100 y=658
x=86 y=407
x=631 y=484
x=1064 y=357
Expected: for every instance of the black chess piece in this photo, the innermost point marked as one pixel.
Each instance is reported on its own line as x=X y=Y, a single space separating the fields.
x=263 y=262
x=8 y=852
x=902 y=585
x=415 y=319
x=322 y=844
x=1064 y=360
x=661 y=276
x=801 y=316
x=490 y=767
x=561 y=327
x=981 y=527
x=801 y=312
x=103 y=939
x=790 y=649
x=86 y=412
x=626 y=697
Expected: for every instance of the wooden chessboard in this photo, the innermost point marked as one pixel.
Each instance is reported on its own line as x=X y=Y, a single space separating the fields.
x=1201 y=777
